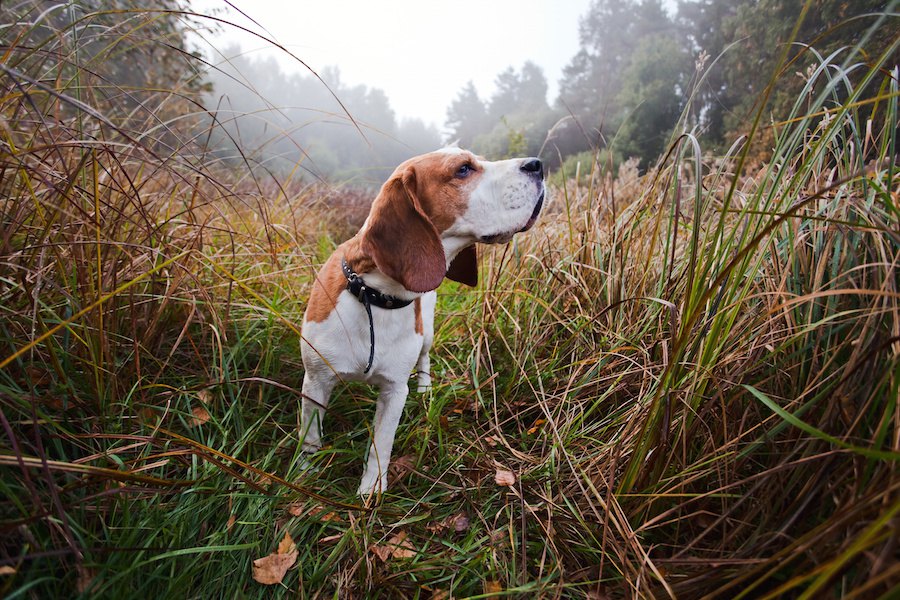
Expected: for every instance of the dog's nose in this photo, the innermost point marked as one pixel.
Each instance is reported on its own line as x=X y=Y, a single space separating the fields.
x=533 y=166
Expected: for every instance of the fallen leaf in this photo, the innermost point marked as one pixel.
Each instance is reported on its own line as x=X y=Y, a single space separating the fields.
x=440 y=595
x=404 y=547
x=271 y=569
x=201 y=416
x=491 y=441
x=492 y=587
x=37 y=375
x=398 y=547
x=436 y=526
x=205 y=396
x=460 y=522
x=287 y=545
x=537 y=425
x=7 y=570
x=401 y=467
x=316 y=511
x=231 y=520
x=505 y=478
x=382 y=552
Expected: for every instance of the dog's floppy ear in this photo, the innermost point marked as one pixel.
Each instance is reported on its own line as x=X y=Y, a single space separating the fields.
x=464 y=267
x=402 y=239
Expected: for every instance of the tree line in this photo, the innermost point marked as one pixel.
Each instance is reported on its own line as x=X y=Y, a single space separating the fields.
x=640 y=71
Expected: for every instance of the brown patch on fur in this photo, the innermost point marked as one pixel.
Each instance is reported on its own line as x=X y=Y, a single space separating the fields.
x=401 y=236
x=330 y=280
x=418 y=306
x=443 y=195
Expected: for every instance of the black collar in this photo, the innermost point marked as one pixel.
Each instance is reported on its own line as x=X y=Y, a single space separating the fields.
x=369 y=297
x=365 y=293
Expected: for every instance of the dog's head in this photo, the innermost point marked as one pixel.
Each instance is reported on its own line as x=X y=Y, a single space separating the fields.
x=435 y=207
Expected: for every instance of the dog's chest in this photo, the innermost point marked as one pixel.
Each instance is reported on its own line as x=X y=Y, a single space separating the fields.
x=342 y=342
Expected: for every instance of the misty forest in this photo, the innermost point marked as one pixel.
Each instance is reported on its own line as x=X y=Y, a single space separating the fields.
x=684 y=382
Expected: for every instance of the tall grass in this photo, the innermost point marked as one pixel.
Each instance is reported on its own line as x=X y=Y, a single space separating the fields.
x=693 y=373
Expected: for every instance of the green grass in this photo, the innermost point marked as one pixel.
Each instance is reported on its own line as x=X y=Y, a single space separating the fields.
x=695 y=385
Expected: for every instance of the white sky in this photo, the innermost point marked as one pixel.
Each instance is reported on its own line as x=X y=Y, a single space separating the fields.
x=419 y=52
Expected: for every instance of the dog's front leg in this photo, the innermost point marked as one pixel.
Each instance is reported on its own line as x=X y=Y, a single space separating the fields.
x=316 y=393
x=387 y=417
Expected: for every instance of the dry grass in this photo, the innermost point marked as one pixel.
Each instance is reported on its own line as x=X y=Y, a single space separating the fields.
x=693 y=374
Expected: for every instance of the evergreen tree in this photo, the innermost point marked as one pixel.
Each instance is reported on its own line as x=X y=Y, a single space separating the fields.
x=466 y=117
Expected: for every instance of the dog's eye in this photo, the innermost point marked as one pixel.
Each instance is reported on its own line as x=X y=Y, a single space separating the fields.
x=464 y=170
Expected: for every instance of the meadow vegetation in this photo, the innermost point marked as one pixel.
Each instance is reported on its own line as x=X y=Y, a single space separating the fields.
x=691 y=371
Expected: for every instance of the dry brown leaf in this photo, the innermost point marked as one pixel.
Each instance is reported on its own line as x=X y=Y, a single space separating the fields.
x=287 y=545
x=231 y=521
x=436 y=527
x=398 y=547
x=505 y=478
x=7 y=570
x=492 y=587
x=315 y=511
x=440 y=595
x=382 y=552
x=403 y=547
x=537 y=425
x=201 y=416
x=271 y=569
x=459 y=522
x=401 y=467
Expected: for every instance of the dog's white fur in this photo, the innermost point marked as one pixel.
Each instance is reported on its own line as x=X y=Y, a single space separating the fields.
x=431 y=211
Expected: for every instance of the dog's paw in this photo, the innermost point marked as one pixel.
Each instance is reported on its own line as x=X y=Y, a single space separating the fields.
x=423 y=384
x=371 y=487
x=310 y=445
x=305 y=464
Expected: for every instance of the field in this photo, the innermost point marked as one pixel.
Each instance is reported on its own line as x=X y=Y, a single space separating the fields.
x=682 y=383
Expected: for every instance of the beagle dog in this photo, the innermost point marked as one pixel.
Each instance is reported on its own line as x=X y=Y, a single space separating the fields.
x=370 y=315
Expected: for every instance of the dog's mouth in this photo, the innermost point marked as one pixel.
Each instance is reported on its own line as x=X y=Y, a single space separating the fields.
x=502 y=238
x=534 y=214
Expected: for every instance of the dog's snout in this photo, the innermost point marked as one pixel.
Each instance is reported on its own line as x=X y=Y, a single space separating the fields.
x=533 y=166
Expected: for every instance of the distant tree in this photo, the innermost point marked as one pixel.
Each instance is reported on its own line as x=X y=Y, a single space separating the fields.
x=515 y=120
x=518 y=93
x=653 y=94
x=592 y=82
x=466 y=117
x=506 y=99
x=417 y=136
x=532 y=89
x=765 y=26
x=706 y=29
